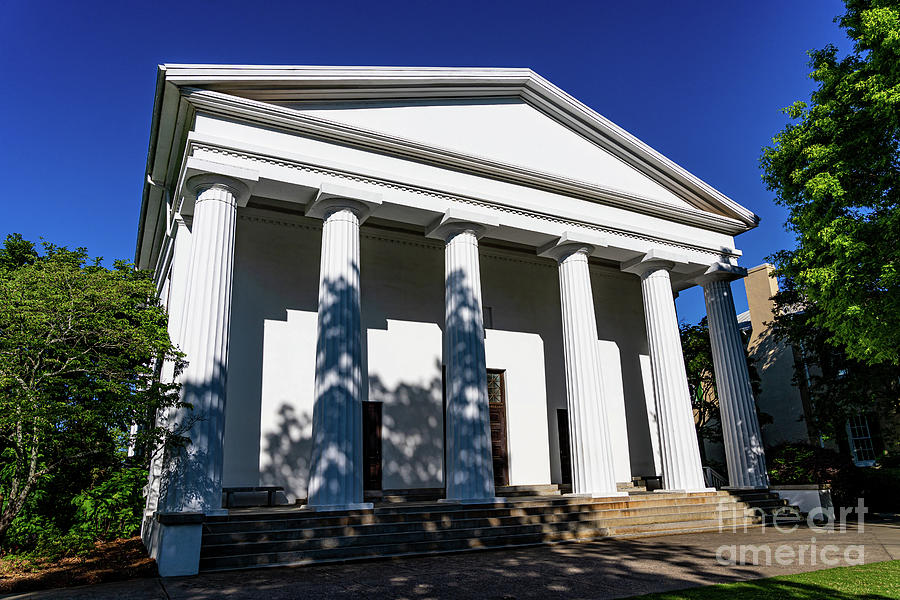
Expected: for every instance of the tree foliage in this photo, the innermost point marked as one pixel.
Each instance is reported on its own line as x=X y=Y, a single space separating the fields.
x=837 y=171
x=80 y=346
x=701 y=376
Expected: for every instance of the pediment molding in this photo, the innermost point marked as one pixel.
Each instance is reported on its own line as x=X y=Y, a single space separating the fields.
x=287 y=119
x=246 y=93
x=316 y=84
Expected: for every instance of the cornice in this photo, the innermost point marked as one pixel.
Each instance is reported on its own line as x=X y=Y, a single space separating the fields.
x=328 y=83
x=255 y=112
x=384 y=183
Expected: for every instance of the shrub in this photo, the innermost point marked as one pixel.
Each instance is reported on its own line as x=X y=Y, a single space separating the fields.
x=111 y=509
x=795 y=463
x=55 y=523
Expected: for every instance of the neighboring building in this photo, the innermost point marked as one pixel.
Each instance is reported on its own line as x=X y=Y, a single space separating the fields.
x=401 y=278
x=784 y=380
x=779 y=396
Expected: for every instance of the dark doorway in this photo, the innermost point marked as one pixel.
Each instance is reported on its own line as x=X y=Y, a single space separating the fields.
x=372 y=445
x=565 y=456
x=497 y=401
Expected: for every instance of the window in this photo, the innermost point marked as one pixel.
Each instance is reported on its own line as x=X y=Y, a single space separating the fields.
x=495 y=386
x=860 y=438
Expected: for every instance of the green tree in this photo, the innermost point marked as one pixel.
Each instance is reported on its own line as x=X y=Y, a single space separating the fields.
x=701 y=378
x=837 y=169
x=80 y=349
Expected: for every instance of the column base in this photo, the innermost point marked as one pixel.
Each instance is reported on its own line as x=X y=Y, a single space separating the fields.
x=495 y=500
x=339 y=507
x=615 y=494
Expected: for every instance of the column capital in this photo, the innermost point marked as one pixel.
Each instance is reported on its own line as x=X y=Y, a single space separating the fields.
x=571 y=242
x=455 y=221
x=333 y=197
x=196 y=185
x=720 y=271
x=653 y=260
x=201 y=175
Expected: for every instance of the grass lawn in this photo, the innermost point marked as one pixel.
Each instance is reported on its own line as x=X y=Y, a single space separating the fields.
x=875 y=580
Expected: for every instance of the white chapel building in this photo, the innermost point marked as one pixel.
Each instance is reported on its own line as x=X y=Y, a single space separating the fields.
x=394 y=279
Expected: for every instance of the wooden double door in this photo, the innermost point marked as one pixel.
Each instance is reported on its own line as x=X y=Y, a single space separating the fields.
x=372 y=419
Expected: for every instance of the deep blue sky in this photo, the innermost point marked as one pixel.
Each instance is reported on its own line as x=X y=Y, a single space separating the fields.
x=702 y=82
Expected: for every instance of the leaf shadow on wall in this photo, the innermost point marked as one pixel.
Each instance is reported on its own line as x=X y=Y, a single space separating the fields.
x=193 y=482
x=288 y=448
x=412 y=432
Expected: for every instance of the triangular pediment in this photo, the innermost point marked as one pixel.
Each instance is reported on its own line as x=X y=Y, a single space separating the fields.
x=505 y=130
x=504 y=123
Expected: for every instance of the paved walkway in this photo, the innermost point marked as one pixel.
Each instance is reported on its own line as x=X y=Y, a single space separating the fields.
x=596 y=570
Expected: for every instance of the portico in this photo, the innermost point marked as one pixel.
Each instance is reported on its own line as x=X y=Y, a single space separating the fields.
x=302 y=221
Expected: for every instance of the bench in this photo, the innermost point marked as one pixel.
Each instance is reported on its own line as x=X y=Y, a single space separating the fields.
x=270 y=490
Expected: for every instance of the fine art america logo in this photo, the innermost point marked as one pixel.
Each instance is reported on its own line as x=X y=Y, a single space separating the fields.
x=786 y=520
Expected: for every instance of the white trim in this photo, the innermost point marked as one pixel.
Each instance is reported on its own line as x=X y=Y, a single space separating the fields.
x=290 y=120
x=304 y=83
x=228 y=148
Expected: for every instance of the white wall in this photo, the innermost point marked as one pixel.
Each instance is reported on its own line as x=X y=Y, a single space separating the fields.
x=405 y=374
x=272 y=361
x=611 y=367
x=521 y=355
x=505 y=129
x=620 y=319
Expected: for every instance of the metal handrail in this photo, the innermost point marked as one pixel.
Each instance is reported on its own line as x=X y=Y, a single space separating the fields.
x=713 y=478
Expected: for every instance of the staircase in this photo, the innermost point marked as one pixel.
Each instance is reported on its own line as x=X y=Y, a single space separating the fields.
x=250 y=538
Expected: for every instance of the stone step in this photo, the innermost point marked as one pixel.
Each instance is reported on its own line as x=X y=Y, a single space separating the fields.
x=257 y=514
x=335 y=526
x=383 y=531
x=524 y=491
x=285 y=536
x=404 y=495
x=285 y=520
x=582 y=528
x=492 y=540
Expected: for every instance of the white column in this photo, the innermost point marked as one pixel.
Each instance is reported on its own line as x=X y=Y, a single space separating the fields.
x=469 y=462
x=593 y=470
x=195 y=481
x=336 y=470
x=679 y=450
x=740 y=425
x=470 y=469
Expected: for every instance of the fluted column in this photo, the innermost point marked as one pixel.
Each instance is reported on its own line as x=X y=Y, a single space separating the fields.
x=469 y=463
x=593 y=471
x=336 y=471
x=470 y=469
x=195 y=483
x=679 y=448
x=740 y=425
